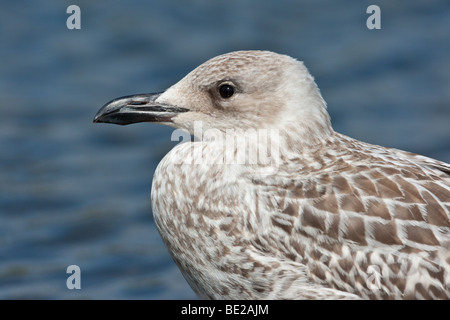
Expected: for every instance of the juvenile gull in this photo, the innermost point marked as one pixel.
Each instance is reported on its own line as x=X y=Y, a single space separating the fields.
x=330 y=217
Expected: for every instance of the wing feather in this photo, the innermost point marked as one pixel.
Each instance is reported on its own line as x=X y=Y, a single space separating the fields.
x=379 y=209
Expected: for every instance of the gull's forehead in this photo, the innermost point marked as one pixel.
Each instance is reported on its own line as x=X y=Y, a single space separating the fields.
x=239 y=65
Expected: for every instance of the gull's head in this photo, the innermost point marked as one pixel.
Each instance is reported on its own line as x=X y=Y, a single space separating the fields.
x=237 y=90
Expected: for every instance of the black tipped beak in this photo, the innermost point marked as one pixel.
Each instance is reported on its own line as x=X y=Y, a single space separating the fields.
x=137 y=108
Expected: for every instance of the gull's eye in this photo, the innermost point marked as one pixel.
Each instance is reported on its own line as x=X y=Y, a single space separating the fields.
x=226 y=91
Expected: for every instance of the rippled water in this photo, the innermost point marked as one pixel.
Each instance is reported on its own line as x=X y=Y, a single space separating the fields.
x=76 y=193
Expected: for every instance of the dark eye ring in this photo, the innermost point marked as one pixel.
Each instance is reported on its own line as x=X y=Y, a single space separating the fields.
x=226 y=91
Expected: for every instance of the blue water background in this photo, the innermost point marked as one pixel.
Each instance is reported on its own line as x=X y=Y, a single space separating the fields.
x=72 y=192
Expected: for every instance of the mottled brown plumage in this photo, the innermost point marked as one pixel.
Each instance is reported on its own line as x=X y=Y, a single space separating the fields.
x=328 y=217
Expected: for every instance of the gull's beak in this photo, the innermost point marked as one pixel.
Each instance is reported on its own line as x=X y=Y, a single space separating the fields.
x=137 y=108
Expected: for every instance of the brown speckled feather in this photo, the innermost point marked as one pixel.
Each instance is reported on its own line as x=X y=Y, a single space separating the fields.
x=379 y=208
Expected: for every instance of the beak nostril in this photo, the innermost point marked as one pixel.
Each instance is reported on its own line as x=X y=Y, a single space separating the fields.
x=137 y=102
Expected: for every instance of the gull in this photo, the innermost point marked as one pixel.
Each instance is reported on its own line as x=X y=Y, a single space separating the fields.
x=322 y=216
